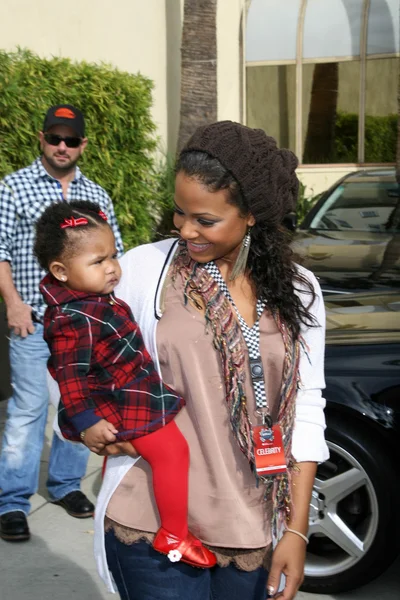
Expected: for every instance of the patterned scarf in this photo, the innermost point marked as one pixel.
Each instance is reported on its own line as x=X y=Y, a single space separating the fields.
x=201 y=289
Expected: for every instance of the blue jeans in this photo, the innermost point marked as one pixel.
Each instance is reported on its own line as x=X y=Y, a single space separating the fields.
x=24 y=432
x=141 y=573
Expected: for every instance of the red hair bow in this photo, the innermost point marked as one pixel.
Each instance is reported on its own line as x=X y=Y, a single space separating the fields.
x=72 y=222
x=103 y=215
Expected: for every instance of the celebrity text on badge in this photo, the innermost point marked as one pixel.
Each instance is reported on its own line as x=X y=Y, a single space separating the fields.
x=275 y=450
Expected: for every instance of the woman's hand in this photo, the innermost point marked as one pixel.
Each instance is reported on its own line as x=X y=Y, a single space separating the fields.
x=290 y=553
x=119 y=448
x=288 y=558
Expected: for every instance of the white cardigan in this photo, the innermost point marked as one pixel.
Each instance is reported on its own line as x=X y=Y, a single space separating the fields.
x=144 y=270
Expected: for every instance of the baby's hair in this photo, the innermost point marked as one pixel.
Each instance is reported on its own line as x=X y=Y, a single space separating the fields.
x=53 y=241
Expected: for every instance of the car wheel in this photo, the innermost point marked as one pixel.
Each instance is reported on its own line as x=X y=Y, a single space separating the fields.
x=353 y=519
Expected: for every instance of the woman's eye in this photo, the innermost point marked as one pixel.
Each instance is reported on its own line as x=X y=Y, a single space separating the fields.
x=177 y=211
x=206 y=223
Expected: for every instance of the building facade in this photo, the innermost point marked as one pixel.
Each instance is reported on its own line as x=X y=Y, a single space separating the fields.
x=319 y=75
x=322 y=76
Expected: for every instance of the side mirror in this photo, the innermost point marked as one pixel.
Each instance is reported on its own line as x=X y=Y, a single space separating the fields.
x=290 y=221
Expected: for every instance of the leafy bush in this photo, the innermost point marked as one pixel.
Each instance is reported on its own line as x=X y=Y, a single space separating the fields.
x=165 y=196
x=380 y=138
x=305 y=203
x=346 y=138
x=116 y=105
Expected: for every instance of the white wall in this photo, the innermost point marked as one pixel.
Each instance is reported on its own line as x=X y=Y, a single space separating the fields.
x=229 y=64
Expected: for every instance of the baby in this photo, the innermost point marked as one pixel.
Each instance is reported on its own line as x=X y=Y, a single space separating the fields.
x=110 y=389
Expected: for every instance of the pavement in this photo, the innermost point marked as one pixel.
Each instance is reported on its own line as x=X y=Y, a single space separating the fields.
x=58 y=564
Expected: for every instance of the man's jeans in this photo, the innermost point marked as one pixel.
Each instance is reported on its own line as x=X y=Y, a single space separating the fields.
x=24 y=432
x=141 y=573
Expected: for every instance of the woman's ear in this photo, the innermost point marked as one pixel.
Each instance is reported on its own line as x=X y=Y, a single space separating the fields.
x=58 y=270
x=250 y=220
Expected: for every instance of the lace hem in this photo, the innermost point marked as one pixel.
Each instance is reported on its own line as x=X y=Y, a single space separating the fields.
x=243 y=559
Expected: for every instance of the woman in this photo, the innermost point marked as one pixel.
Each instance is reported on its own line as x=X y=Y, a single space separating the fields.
x=237 y=329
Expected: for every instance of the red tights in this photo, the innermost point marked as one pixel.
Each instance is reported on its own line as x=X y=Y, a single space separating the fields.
x=167 y=452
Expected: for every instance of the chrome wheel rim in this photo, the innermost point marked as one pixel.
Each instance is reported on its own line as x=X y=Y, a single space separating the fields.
x=343 y=515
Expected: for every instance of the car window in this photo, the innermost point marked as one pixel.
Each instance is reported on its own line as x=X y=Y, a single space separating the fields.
x=364 y=206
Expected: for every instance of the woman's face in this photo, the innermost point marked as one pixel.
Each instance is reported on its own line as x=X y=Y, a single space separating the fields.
x=212 y=228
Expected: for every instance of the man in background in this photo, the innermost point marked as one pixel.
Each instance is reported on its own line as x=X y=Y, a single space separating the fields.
x=52 y=177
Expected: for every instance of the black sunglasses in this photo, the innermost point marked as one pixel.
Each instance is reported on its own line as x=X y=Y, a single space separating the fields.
x=55 y=140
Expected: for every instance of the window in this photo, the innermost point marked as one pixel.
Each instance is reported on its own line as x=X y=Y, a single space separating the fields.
x=359 y=206
x=322 y=77
x=330 y=112
x=271 y=93
x=382 y=78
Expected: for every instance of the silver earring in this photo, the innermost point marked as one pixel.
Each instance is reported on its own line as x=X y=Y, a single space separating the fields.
x=241 y=261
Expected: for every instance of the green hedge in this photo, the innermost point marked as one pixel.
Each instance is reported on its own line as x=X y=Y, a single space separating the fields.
x=380 y=138
x=120 y=153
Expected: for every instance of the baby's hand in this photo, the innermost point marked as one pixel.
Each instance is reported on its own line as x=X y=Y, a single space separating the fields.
x=99 y=435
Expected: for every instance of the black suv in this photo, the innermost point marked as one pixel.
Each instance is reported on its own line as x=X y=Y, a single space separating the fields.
x=351 y=241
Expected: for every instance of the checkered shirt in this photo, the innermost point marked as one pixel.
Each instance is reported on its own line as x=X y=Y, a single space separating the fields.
x=24 y=195
x=102 y=367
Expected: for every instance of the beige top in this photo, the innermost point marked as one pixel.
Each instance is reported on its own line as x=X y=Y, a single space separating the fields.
x=225 y=507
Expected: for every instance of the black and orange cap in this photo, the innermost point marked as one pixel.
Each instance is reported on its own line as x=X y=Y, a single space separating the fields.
x=65 y=114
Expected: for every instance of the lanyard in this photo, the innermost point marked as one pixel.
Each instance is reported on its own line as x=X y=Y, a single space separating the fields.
x=252 y=338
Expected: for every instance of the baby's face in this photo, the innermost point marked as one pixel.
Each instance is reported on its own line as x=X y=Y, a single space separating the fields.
x=93 y=267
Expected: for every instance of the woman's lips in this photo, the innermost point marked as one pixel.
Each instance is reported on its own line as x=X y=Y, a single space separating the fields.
x=197 y=247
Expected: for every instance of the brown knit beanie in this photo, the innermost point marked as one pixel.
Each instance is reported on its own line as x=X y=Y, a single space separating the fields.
x=265 y=174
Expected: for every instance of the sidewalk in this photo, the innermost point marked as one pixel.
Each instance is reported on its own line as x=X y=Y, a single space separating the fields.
x=58 y=564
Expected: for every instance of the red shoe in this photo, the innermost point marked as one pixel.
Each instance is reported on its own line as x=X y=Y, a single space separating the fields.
x=189 y=550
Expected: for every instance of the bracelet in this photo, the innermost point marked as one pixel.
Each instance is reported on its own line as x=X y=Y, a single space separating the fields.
x=303 y=537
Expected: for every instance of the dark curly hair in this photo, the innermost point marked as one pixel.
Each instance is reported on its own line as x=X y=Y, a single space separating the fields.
x=51 y=241
x=270 y=260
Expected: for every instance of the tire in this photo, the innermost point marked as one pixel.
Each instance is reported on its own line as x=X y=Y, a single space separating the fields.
x=354 y=521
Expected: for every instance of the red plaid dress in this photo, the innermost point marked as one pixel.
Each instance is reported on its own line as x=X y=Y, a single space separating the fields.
x=101 y=365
